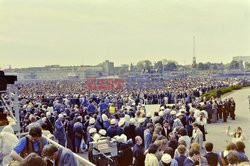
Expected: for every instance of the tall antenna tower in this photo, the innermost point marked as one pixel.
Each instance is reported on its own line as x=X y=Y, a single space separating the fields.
x=194 y=57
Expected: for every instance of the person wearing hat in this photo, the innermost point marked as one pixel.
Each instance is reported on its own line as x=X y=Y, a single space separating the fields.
x=139 y=130
x=112 y=130
x=160 y=120
x=125 y=156
x=96 y=137
x=129 y=130
x=60 y=134
x=91 y=123
x=166 y=160
x=105 y=121
x=103 y=134
x=121 y=125
x=92 y=132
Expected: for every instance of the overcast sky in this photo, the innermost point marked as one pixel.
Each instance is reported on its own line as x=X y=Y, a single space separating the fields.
x=75 y=32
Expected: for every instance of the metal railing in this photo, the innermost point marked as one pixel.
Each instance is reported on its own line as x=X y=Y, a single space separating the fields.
x=81 y=161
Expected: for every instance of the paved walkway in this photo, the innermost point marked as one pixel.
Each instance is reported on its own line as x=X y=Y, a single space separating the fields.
x=217 y=131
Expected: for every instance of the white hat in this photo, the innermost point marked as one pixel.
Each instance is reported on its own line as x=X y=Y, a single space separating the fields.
x=48 y=114
x=162 y=107
x=91 y=121
x=92 y=130
x=142 y=120
x=178 y=114
x=102 y=132
x=96 y=137
x=127 y=117
x=50 y=109
x=166 y=158
x=161 y=113
x=149 y=115
x=132 y=120
x=44 y=119
x=121 y=122
x=123 y=138
x=112 y=122
x=128 y=108
x=104 y=117
x=183 y=110
x=172 y=112
x=60 y=116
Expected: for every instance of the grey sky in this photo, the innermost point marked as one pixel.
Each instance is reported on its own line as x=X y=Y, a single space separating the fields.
x=74 y=32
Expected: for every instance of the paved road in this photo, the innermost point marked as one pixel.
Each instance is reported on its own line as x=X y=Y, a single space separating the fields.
x=217 y=132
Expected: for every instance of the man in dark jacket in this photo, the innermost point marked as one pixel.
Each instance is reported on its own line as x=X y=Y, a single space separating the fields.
x=61 y=156
x=129 y=130
x=60 y=130
x=180 y=159
x=194 y=156
x=112 y=130
x=212 y=158
x=166 y=128
x=140 y=129
x=49 y=122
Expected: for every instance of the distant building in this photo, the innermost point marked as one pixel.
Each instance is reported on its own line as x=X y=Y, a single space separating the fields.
x=242 y=59
x=121 y=69
x=108 y=67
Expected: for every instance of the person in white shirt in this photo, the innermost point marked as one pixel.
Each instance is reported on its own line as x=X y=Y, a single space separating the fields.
x=202 y=122
x=236 y=135
x=151 y=159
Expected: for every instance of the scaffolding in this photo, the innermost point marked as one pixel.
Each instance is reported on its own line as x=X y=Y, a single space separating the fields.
x=10 y=104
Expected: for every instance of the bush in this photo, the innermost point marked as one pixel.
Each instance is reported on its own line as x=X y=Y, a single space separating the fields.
x=224 y=90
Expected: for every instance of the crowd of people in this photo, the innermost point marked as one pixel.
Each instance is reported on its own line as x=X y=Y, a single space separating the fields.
x=173 y=134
